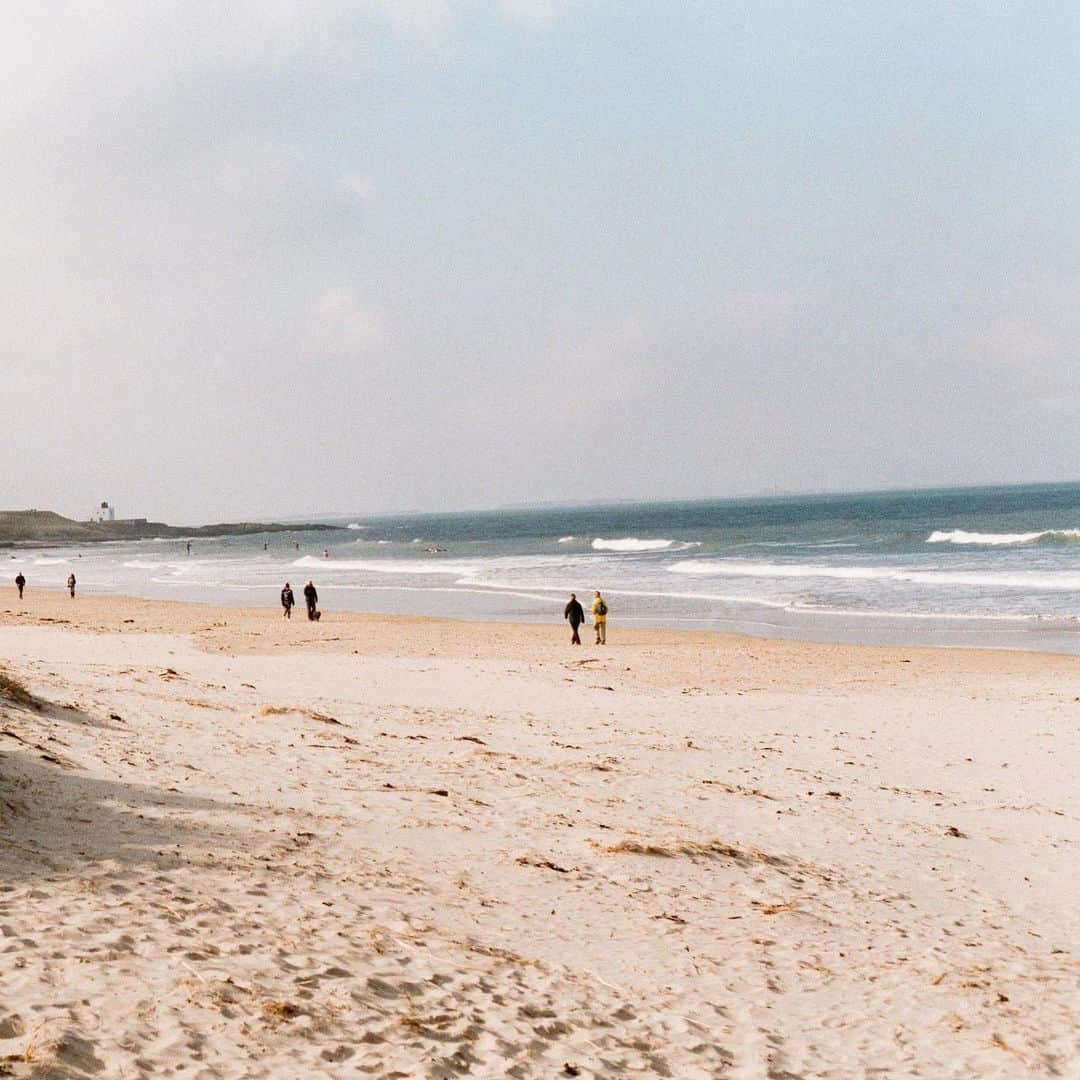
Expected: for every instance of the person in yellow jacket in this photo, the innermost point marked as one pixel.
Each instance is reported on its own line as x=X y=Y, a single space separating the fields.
x=599 y=618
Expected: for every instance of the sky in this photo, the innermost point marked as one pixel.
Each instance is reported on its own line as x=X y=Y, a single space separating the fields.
x=365 y=256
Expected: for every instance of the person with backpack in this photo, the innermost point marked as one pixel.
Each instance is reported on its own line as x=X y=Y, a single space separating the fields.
x=287 y=601
x=575 y=615
x=311 y=598
x=71 y=585
x=599 y=618
x=20 y=583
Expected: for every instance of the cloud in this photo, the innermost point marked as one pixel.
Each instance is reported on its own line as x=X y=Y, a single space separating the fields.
x=760 y=309
x=358 y=184
x=532 y=11
x=344 y=325
x=425 y=20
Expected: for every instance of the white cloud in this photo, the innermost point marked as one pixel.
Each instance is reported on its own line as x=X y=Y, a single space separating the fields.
x=358 y=184
x=345 y=325
x=531 y=11
x=425 y=20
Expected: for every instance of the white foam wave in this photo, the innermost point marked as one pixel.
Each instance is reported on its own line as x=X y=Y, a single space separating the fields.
x=353 y=525
x=960 y=536
x=1019 y=579
x=632 y=543
x=46 y=561
x=566 y=539
x=446 y=567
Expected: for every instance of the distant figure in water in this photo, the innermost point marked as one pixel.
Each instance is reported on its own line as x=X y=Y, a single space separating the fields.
x=71 y=585
x=20 y=583
x=575 y=615
x=266 y=545
x=311 y=598
x=326 y=553
x=599 y=618
x=287 y=601
x=189 y=547
x=297 y=544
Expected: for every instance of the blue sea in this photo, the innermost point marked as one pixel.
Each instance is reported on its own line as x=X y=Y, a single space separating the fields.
x=991 y=566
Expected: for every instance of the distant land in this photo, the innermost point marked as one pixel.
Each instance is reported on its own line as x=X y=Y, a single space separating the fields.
x=46 y=527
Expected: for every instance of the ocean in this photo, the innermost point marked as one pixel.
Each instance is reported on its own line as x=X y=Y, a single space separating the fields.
x=990 y=566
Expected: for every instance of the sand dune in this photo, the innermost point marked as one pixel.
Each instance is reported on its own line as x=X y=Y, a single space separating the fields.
x=238 y=847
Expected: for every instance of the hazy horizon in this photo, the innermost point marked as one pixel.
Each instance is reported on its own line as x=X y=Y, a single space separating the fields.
x=460 y=253
x=586 y=504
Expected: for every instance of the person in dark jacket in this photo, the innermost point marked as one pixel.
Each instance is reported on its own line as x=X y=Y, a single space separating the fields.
x=287 y=601
x=311 y=598
x=71 y=585
x=575 y=615
x=20 y=583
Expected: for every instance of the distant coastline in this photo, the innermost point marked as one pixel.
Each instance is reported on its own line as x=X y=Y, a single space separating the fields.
x=46 y=527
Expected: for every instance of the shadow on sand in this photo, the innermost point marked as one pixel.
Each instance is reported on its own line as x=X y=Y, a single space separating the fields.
x=57 y=819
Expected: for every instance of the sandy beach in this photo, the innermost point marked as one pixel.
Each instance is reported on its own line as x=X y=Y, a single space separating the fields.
x=235 y=846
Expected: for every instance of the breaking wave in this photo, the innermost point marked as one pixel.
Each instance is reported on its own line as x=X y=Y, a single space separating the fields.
x=960 y=536
x=446 y=567
x=1036 y=580
x=632 y=543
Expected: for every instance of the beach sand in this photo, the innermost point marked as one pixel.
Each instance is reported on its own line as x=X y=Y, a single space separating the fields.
x=234 y=846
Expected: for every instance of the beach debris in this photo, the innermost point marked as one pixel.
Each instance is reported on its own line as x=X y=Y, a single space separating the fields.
x=570 y=1070
x=281 y=1011
x=288 y=710
x=540 y=864
x=952 y=830
x=774 y=909
x=471 y=738
x=14 y=691
x=439 y=791
x=677 y=919
x=696 y=849
x=735 y=789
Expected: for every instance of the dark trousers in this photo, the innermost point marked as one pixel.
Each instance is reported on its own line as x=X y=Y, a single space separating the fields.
x=575 y=640
x=311 y=610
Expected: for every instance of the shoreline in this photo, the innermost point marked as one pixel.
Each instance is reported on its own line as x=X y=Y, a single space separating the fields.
x=96 y=611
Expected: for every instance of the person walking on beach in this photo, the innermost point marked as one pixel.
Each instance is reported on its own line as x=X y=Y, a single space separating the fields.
x=575 y=615
x=599 y=618
x=20 y=583
x=71 y=585
x=287 y=601
x=311 y=598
